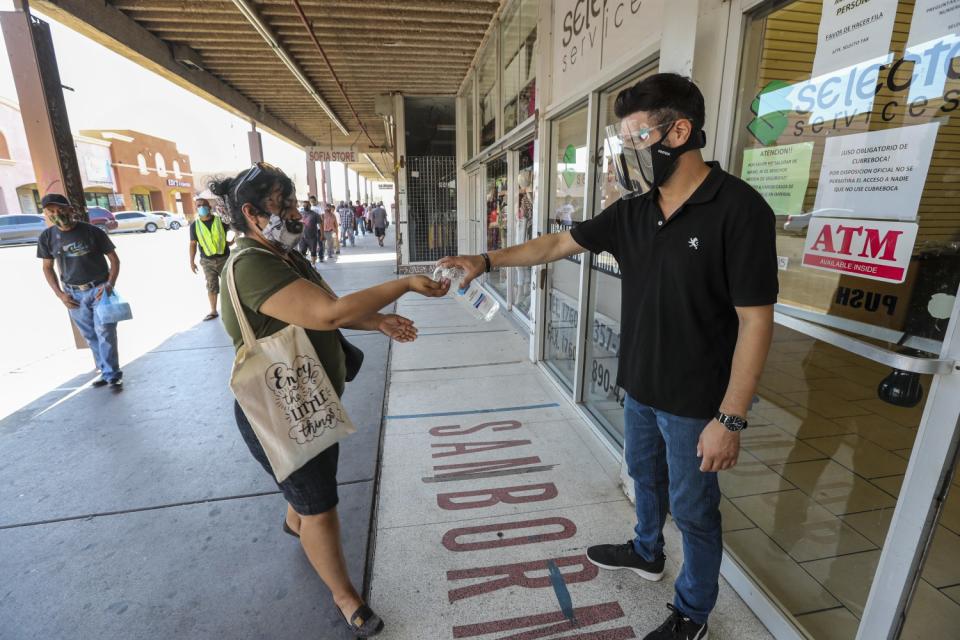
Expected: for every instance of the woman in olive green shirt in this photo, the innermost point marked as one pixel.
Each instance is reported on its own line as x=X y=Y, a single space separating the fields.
x=276 y=288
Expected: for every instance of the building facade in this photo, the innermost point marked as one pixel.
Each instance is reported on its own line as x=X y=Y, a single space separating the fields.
x=151 y=173
x=842 y=519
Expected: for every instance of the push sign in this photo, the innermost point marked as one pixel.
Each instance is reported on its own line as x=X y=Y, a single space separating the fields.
x=865 y=248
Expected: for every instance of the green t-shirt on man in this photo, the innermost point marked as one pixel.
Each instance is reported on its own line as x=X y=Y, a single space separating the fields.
x=260 y=274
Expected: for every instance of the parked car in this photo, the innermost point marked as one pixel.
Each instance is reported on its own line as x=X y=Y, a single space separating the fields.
x=173 y=220
x=100 y=217
x=138 y=221
x=21 y=228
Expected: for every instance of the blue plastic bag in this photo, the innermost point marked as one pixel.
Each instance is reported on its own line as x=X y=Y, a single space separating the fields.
x=112 y=309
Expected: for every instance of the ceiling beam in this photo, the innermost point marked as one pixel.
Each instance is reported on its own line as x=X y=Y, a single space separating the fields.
x=113 y=29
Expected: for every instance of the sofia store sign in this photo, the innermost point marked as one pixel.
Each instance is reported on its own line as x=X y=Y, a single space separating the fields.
x=592 y=35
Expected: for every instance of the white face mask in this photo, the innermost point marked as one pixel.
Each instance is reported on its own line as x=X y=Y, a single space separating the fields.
x=285 y=234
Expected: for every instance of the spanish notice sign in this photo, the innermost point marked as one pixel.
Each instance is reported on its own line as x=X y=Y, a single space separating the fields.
x=878 y=174
x=873 y=249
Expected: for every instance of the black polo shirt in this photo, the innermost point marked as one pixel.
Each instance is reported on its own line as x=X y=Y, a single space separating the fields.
x=682 y=278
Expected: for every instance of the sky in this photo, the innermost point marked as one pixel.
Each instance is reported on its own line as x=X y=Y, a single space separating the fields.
x=111 y=92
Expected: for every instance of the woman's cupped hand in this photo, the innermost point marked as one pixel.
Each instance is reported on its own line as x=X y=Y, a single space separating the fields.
x=397 y=328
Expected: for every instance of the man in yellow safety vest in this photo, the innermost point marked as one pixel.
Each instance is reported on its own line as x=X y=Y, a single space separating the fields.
x=210 y=233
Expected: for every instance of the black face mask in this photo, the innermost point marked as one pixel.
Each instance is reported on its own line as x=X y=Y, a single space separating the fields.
x=663 y=160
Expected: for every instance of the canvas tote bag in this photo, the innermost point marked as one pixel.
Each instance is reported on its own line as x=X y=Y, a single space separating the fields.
x=285 y=393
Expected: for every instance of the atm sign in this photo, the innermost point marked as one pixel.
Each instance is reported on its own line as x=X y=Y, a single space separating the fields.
x=866 y=248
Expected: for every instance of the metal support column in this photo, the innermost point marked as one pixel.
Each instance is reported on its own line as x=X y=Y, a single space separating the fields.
x=42 y=107
x=256 y=144
x=328 y=183
x=311 y=177
x=346 y=181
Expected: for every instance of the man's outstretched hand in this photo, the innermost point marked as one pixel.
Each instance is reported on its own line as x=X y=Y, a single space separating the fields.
x=472 y=266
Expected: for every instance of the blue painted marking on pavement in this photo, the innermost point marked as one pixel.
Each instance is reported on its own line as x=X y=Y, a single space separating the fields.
x=560 y=588
x=443 y=414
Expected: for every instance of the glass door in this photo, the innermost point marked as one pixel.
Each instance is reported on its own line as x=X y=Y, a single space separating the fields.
x=497 y=216
x=524 y=203
x=566 y=208
x=850 y=136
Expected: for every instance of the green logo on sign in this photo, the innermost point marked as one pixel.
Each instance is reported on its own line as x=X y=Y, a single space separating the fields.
x=768 y=127
x=569 y=157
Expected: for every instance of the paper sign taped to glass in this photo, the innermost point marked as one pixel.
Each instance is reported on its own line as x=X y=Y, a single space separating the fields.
x=873 y=249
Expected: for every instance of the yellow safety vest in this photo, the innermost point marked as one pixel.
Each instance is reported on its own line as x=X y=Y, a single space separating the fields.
x=212 y=240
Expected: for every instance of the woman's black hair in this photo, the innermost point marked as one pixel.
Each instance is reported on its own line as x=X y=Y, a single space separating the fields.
x=237 y=191
x=666 y=96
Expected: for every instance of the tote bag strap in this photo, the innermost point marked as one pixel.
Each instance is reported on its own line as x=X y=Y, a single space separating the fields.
x=249 y=337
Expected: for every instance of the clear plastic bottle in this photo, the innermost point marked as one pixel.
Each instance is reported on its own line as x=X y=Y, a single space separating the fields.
x=477 y=301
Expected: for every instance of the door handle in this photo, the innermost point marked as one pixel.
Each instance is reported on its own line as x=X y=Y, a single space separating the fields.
x=931 y=366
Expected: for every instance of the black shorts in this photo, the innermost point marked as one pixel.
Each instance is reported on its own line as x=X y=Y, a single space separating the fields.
x=311 y=489
x=380 y=231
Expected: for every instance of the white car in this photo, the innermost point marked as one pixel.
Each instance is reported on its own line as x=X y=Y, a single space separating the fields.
x=138 y=221
x=173 y=220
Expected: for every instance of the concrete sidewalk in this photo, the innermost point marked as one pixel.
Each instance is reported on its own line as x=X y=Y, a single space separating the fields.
x=491 y=489
x=141 y=514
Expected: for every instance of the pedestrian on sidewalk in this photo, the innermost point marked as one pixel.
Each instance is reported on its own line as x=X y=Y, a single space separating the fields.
x=379 y=219
x=276 y=287
x=315 y=206
x=358 y=211
x=82 y=252
x=311 y=233
x=697 y=250
x=348 y=223
x=366 y=217
x=331 y=241
x=209 y=233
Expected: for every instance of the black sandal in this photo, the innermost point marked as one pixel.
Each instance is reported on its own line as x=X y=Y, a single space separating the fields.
x=364 y=623
x=288 y=530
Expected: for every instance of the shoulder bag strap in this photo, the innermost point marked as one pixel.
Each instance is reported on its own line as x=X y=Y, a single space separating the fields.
x=249 y=337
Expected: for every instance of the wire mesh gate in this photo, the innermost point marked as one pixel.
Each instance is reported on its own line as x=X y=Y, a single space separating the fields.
x=431 y=207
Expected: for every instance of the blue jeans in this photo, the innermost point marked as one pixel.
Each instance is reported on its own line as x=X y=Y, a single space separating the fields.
x=102 y=338
x=661 y=455
x=346 y=232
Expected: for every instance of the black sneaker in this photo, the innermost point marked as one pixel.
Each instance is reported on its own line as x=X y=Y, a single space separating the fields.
x=99 y=382
x=622 y=556
x=117 y=383
x=678 y=627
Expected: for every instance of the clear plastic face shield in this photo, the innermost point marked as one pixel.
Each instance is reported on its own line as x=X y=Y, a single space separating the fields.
x=630 y=156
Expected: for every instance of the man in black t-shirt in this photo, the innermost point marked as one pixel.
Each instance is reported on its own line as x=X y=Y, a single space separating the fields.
x=81 y=252
x=209 y=233
x=696 y=248
x=310 y=242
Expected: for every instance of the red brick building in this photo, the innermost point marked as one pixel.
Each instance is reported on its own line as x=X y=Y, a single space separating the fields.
x=151 y=173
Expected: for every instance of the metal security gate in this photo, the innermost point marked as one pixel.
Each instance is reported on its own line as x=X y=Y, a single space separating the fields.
x=432 y=207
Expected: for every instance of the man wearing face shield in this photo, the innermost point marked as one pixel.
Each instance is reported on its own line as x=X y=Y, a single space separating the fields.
x=696 y=248
x=276 y=286
x=81 y=253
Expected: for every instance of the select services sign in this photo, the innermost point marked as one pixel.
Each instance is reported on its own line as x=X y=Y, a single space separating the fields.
x=872 y=249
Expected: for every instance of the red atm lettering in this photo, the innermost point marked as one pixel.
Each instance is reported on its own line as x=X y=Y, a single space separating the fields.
x=537 y=625
x=547 y=528
x=506 y=495
x=516 y=575
x=463 y=448
x=455 y=430
x=872 y=245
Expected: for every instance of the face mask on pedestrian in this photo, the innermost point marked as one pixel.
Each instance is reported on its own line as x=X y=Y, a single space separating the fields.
x=61 y=218
x=283 y=233
x=204 y=211
x=641 y=164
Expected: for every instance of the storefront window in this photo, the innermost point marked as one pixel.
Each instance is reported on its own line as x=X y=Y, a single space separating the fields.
x=96 y=199
x=604 y=398
x=497 y=214
x=567 y=193
x=523 y=223
x=487 y=82
x=518 y=39
x=845 y=127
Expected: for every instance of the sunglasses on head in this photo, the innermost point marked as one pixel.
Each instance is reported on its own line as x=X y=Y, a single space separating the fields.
x=257 y=169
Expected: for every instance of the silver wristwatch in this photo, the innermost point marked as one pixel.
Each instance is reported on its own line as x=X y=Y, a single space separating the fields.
x=732 y=423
